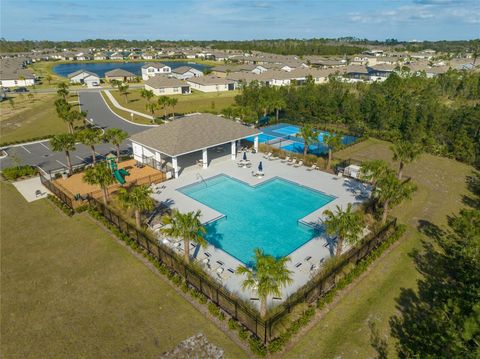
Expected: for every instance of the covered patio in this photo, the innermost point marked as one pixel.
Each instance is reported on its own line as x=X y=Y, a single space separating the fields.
x=193 y=141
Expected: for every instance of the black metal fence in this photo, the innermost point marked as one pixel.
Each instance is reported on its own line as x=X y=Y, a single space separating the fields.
x=233 y=306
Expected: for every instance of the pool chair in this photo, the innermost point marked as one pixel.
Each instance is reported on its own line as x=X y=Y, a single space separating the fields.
x=314 y=167
x=273 y=158
x=292 y=162
x=298 y=164
x=268 y=155
x=286 y=160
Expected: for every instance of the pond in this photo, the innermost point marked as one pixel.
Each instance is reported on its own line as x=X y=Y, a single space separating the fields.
x=100 y=68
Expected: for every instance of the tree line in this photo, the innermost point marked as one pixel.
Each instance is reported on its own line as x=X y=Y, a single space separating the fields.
x=442 y=114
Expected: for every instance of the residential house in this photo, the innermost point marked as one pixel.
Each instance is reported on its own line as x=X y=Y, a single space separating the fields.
x=100 y=56
x=356 y=73
x=380 y=72
x=154 y=68
x=120 y=75
x=14 y=76
x=211 y=84
x=83 y=56
x=117 y=56
x=84 y=77
x=185 y=72
x=163 y=85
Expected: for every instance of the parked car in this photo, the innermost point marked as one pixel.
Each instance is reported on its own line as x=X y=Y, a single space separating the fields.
x=21 y=89
x=6 y=89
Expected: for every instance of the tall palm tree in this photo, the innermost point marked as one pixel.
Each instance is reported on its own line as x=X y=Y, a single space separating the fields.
x=64 y=111
x=346 y=224
x=267 y=277
x=333 y=141
x=389 y=191
x=116 y=136
x=64 y=143
x=163 y=102
x=278 y=104
x=173 y=102
x=186 y=226
x=123 y=89
x=146 y=94
x=138 y=198
x=405 y=152
x=90 y=137
x=99 y=175
x=309 y=136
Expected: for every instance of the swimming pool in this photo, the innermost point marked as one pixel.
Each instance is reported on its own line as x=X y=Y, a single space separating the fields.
x=263 y=216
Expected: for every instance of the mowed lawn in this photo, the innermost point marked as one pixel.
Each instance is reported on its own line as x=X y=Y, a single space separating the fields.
x=69 y=290
x=344 y=332
x=194 y=102
x=30 y=118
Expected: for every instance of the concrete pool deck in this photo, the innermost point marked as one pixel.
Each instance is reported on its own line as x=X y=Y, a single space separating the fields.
x=319 y=248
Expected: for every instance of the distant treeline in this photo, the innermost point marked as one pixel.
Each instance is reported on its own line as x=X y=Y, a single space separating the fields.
x=322 y=46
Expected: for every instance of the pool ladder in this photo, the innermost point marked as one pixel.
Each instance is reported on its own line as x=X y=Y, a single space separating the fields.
x=200 y=177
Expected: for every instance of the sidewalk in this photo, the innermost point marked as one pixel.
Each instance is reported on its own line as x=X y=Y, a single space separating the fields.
x=120 y=107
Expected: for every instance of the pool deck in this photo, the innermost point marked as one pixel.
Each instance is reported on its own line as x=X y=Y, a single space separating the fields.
x=320 y=248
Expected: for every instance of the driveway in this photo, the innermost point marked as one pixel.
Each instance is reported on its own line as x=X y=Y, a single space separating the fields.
x=39 y=153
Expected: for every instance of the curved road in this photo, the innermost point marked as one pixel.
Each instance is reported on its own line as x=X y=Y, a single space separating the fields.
x=39 y=153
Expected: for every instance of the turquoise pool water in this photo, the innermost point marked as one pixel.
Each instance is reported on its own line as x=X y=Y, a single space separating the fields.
x=265 y=216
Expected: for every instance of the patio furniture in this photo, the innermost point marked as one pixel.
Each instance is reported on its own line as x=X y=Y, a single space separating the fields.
x=292 y=162
x=298 y=164
x=314 y=167
x=286 y=160
x=38 y=193
x=273 y=158
x=268 y=155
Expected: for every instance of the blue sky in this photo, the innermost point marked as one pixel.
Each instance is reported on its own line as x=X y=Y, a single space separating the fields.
x=239 y=20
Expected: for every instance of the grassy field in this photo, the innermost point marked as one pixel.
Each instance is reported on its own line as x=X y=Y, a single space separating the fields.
x=30 y=118
x=195 y=102
x=69 y=290
x=344 y=332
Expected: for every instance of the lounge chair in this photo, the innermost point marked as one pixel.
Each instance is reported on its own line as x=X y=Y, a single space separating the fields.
x=268 y=155
x=298 y=164
x=314 y=167
x=286 y=160
x=292 y=162
x=273 y=158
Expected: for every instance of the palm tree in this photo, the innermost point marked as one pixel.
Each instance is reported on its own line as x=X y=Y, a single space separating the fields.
x=64 y=143
x=138 y=198
x=278 y=104
x=309 y=136
x=267 y=277
x=333 y=141
x=373 y=170
x=90 y=137
x=163 y=102
x=151 y=106
x=173 y=102
x=346 y=224
x=389 y=191
x=64 y=111
x=116 y=136
x=62 y=90
x=48 y=77
x=99 y=175
x=123 y=89
x=146 y=94
x=405 y=152
x=186 y=226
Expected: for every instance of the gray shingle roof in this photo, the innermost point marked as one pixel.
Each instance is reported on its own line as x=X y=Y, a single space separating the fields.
x=78 y=72
x=192 y=133
x=209 y=80
x=158 y=82
x=119 y=73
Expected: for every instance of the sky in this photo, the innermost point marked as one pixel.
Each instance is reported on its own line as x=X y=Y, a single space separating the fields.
x=404 y=20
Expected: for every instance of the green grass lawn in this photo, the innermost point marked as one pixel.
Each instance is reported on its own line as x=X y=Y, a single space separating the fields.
x=69 y=290
x=195 y=102
x=30 y=118
x=125 y=114
x=344 y=332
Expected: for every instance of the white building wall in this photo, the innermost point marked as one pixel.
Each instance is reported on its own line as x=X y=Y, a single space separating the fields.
x=15 y=83
x=165 y=91
x=208 y=88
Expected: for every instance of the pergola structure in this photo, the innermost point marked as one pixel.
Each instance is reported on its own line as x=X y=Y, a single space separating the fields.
x=187 y=135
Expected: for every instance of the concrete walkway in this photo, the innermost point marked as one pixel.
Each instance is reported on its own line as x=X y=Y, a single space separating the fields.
x=32 y=189
x=120 y=107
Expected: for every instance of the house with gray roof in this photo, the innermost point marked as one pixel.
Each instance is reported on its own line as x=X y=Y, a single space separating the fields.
x=211 y=84
x=164 y=85
x=12 y=74
x=151 y=69
x=190 y=141
x=120 y=75
x=84 y=77
x=185 y=72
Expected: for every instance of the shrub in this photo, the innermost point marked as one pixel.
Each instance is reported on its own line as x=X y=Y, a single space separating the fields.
x=256 y=346
x=63 y=207
x=13 y=173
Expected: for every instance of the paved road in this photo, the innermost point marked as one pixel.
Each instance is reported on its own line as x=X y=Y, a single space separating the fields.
x=40 y=154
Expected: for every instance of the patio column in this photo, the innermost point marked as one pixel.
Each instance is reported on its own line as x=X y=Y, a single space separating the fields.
x=175 y=166
x=234 y=150
x=158 y=158
x=255 y=143
x=205 y=158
